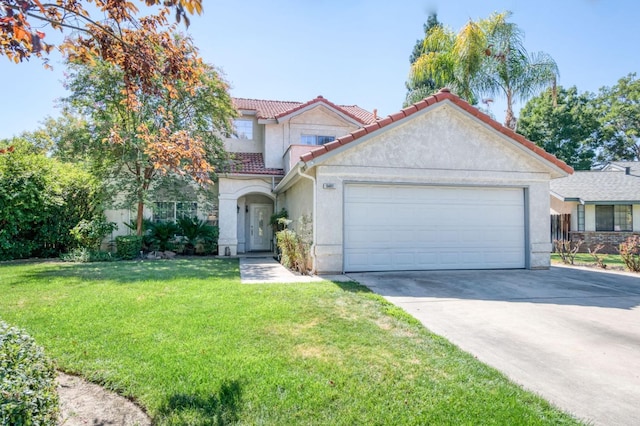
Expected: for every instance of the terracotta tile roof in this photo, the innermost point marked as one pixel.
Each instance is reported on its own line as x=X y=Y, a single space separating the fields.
x=442 y=95
x=275 y=109
x=249 y=163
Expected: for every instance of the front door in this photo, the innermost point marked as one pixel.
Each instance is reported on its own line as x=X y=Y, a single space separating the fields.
x=259 y=228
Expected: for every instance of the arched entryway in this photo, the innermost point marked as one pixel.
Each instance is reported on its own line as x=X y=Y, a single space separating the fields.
x=245 y=207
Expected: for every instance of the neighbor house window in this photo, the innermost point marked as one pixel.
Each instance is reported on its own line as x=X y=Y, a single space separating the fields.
x=614 y=218
x=170 y=212
x=242 y=129
x=580 y=217
x=316 y=139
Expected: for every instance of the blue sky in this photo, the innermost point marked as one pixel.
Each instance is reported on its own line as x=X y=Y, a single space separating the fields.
x=356 y=51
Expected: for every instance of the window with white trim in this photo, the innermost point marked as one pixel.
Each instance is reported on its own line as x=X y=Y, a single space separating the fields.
x=580 y=217
x=242 y=129
x=169 y=211
x=316 y=139
x=617 y=217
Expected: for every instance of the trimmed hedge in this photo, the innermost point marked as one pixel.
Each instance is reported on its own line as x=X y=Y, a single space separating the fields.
x=128 y=246
x=28 y=393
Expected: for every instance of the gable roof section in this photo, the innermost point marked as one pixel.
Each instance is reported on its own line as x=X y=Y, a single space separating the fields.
x=442 y=95
x=633 y=166
x=249 y=163
x=594 y=187
x=274 y=110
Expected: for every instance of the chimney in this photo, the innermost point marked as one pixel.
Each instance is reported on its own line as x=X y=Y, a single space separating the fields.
x=627 y=170
x=375 y=114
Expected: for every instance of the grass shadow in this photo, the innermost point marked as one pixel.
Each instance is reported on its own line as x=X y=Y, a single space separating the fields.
x=352 y=286
x=136 y=271
x=217 y=409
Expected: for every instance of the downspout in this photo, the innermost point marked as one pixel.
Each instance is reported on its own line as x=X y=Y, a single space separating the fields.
x=313 y=218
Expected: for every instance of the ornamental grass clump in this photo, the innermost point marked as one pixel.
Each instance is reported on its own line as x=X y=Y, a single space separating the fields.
x=28 y=394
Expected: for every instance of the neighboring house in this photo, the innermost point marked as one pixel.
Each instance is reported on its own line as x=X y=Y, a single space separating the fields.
x=598 y=207
x=438 y=185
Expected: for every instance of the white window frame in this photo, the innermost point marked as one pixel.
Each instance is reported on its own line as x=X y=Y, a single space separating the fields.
x=306 y=139
x=171 y=208
x=242 y=129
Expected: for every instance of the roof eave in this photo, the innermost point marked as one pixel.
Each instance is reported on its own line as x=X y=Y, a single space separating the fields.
x=337 y=110
x=290 y=178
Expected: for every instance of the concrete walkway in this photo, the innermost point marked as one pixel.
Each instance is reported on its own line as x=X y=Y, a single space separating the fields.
x=265 y=270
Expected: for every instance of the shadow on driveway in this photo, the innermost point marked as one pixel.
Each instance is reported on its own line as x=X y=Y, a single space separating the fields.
x=563 y=286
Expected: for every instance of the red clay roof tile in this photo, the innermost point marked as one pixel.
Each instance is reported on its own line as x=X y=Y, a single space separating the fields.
x=266 y=109
x=442 y=95
x=249 y=163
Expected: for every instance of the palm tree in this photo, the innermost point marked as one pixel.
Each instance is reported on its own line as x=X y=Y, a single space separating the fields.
x=486 y=58
x=508 y=69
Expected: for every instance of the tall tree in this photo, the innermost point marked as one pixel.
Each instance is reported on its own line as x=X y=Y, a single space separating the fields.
x=509 y=70
x=22 y=22
x=620 y=119
x=566 y=126
x=417 y=90
x=486 y=57
x=145 y=129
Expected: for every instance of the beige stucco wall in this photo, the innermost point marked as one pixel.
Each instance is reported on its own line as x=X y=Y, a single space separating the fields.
x=442 y=146
x=298 y=201
x=247 y=145
x=318 y=120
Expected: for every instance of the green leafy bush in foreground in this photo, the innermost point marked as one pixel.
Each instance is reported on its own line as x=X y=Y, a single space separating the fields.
x=128 y=246
x=28 y=394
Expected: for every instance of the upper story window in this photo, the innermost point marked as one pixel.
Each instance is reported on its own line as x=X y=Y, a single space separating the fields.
x=316 y=139
x=242 y=129
x=614 y=217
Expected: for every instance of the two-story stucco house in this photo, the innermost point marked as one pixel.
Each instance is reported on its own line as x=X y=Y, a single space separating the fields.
x=270 y=137
x=437 y=185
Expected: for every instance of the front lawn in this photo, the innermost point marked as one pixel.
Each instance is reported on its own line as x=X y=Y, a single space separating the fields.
x=193 y=346
x=613 y=261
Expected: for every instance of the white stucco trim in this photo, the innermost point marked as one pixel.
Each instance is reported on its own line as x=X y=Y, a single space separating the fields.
x=316 y=105
x=555 y=171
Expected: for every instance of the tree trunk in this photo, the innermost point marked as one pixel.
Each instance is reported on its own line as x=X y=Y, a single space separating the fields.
x=510 y=119
x=139 y=217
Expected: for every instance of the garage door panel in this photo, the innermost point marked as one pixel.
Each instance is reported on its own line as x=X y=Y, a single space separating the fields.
x=396 y=227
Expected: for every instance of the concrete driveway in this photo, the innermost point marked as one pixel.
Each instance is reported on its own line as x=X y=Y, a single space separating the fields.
x=572 y=336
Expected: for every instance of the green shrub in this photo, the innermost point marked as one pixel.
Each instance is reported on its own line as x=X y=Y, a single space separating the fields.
x=85 y=255
x=630 y=253
x=128 y=246
x=41 y=200
x=28 y=394
x=294 y=247
x=198 y=233
x=162 y=235
x=90 y=233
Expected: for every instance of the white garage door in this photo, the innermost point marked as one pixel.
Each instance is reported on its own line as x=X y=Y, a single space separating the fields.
x=405 y=227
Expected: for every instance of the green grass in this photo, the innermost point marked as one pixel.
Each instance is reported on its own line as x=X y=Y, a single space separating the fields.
x=193 y=346
x=585 y=259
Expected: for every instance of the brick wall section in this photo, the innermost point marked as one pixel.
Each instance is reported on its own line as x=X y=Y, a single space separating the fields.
x=611 y=240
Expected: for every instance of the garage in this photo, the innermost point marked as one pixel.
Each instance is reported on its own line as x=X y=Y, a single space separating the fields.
x=389 y=227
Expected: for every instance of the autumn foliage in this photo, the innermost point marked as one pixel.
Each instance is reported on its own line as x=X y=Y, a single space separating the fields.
x=21 y=21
